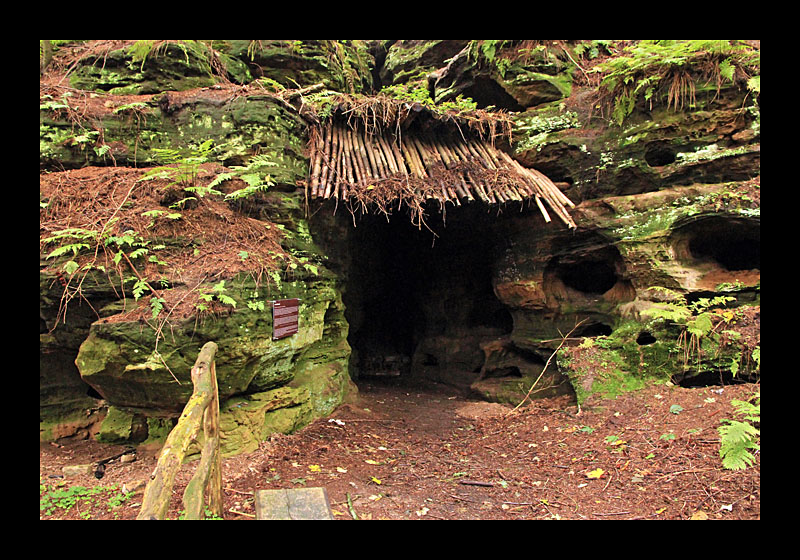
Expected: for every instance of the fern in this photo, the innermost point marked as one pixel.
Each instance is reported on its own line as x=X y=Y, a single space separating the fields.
x=254 y=174
x=695 y=319
x=672 y=68
x=181 y=166
x=738 y=438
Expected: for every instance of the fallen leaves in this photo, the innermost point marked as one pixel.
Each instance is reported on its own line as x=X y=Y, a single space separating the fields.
x=596 y=473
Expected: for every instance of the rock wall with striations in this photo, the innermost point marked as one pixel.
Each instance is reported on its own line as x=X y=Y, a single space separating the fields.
x=658 y=144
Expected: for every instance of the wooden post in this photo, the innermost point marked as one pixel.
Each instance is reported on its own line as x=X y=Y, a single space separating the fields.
x=202 y=408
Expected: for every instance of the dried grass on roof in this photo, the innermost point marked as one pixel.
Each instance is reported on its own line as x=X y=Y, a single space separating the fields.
x=372 y=167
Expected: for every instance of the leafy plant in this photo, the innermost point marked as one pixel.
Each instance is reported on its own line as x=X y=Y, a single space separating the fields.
x=696 y=318
x=51 y=500
x=416 y=91
x=739 y=437
x=655 y=71
x=181 y=166
x=216 y=292
x=254 y=174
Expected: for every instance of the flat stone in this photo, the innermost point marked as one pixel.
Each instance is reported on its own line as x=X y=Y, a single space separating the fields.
x=293 y=504
x=77 y=470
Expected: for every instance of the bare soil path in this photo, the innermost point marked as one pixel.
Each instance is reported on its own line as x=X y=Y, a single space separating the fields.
x=403 y=452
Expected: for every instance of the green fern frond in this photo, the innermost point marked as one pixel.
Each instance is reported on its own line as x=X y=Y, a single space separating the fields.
x=255 y=174
x=750 y=411
x=738 y=438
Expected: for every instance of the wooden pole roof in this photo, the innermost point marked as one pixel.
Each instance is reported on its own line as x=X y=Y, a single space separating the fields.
x=382 y=167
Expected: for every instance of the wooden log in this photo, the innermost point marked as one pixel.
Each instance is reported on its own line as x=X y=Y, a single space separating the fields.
x=444 y=189
x=449 y=152
x=412 y=148
x=398 y=156
x=340 y=165
x=158 y=492
x=361 y=157
x=352 y=168
x=408 y=158
x=414 y=157
x=470 y=185
x=480 y=190
x=559 y=195
x=193 y=495
x=333 y=172
x=557 y=207
x=212 y=432
x=326 y=160
x=370 y=156
x=443 y=155
x=515 y=167
x=461 y=150
x=348 y=157
x=479 y=157
x=492 y=152
x=351 y=152
x=388 y=154
x=316 y=159
x=383 y=168
x=542 y=208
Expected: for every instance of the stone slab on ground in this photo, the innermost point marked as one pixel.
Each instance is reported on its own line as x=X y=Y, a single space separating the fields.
x=293 y=504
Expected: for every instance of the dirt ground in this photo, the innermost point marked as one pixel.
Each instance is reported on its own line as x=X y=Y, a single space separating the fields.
x=429 y=452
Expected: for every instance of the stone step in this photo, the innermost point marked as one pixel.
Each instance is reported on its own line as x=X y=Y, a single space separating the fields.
x=293 y=504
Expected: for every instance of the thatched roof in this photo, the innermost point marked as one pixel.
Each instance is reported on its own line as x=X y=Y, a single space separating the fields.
x=382 y=161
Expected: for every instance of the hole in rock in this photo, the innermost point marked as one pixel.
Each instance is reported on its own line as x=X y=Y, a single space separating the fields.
x=589 y=276
x=732 y=243
x=510 y=371
x=645 y=338
x=712 y=378
x=93 y=393
x=486 y=92
x=593 y=329
x=417 y=301
x=657 y=154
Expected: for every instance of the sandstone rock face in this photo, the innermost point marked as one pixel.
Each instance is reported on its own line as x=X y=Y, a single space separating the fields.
x=660 y=280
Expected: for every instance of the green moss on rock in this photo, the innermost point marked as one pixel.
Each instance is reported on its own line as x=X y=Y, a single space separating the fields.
x=116 y=427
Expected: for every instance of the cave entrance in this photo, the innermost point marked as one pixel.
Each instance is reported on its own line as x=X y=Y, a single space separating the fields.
x=729 y=244
x=420 y=301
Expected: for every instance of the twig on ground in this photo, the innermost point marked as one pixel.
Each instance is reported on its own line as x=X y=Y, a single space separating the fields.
x=546 y=365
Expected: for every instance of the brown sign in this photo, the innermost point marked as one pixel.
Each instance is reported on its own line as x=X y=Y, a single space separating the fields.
x=284 y=317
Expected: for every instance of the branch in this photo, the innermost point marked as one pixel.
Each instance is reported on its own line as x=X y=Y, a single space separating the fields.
x=563 y=340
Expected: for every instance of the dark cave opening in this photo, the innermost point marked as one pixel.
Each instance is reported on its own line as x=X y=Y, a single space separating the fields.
x=657 y=154
x=645 y=338
x=588 y=276
x=593 y=329
x=415 y=296
x=709 y=378
x=487 y=92
x=737 y=252
x=732 y=243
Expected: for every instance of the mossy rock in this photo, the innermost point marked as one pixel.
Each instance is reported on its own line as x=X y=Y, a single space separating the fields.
x=119 y=359
x=238 y=126
x=116 y=427
x=340 y=65
x=174 y=66
x=246 y=421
